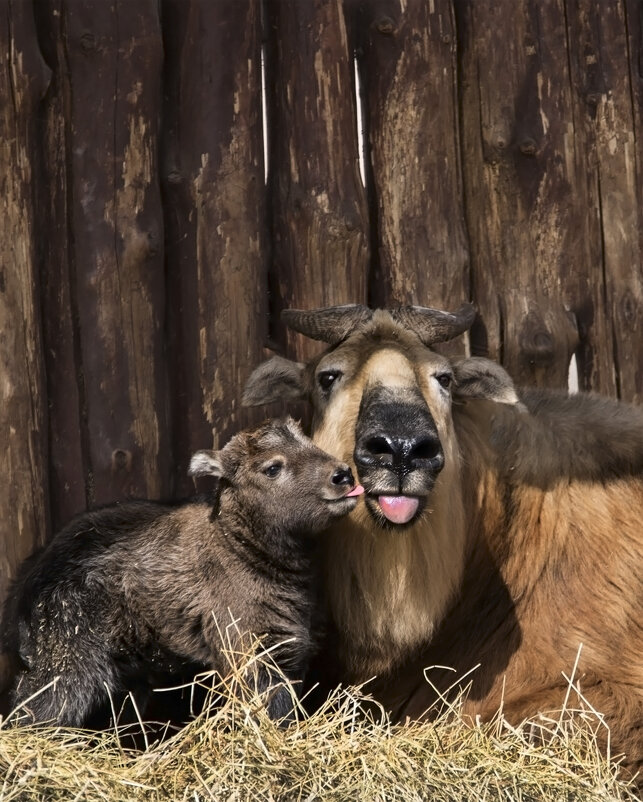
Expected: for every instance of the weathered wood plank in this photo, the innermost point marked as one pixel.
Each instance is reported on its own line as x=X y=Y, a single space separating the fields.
x=525 y=189
x=408 y=67
x=585 y=286
x=319 y=217
x=60 y=330
x=609 y=86
x=113 y=66
x=632 y=342
x=23 y=457
x=215 y=217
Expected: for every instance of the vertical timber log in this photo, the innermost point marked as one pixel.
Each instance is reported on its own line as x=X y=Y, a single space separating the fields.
x=112 y=98
x=608 y=82
x=607 y=110
x=630 y=344
x=214 y=189
x=408 y=68
x=586 y=285
x=525 y=190
x=620 y=188
x=319 y=216
x=23 y=461
x=68 y=490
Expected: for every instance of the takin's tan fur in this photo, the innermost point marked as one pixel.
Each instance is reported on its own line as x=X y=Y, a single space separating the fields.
x=527 y=561
x=553 y=572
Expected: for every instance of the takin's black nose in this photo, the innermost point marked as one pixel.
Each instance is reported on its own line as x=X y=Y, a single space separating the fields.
x=395 y=431
x=399 y=454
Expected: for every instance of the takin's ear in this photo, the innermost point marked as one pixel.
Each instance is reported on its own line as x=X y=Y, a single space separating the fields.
x=481 y=378
x=278 y=379
x=206 y=463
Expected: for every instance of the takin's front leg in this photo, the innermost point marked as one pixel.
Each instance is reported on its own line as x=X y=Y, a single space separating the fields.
x=258 y=680
x=277 y=694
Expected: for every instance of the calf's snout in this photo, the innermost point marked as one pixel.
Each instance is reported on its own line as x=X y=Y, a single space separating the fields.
x=342 y=476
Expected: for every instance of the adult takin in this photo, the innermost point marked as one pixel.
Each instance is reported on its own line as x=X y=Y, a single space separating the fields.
x=127 y=593
x=502 y=534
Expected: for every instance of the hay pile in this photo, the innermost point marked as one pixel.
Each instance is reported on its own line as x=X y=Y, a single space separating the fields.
x=346 y=751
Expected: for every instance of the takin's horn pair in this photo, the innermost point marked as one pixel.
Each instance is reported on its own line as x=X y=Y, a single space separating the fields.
x=334 y=324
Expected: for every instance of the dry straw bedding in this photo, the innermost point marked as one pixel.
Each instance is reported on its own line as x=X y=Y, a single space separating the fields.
x=347 y=750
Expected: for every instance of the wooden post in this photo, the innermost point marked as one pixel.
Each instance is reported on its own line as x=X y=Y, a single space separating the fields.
x=408 y=67
x=526 y=196
x=213 y=178
x=608 y=109
x=110 y=85
x=320 y=250
x=630 y=337
x=23 y=457
x=61 y=344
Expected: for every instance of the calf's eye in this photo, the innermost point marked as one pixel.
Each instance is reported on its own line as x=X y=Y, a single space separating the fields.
x=444 y=380
x=273 y=470
x=327 y=378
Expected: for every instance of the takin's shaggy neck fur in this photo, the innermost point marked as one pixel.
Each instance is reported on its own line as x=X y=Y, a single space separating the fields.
x=389 y=589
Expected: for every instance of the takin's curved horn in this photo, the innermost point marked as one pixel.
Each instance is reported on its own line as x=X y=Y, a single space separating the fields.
x=330 y=325
x=434 y=326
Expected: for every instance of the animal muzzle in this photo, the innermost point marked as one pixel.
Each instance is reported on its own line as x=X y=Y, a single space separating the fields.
x=342 y=485
x=398 y=455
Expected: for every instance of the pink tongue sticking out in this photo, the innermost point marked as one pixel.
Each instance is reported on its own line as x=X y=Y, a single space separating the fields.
x=398 y=509
x=356 y=491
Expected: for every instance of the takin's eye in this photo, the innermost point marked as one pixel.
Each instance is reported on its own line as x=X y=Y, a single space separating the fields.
x=327 y=378
x=444 y=380
x=273 y=470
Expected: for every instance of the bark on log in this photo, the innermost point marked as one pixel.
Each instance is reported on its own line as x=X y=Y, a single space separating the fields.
x=525 y=188
x=630 y=339
x=215 y=217
x=60 y=319
x=23 y=457
x=409 y=72
x=116 y=264
x=609 y=108
x=586 y=287
x=319 y=217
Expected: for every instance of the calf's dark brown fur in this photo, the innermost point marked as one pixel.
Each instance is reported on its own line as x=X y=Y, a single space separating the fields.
x=125 y=594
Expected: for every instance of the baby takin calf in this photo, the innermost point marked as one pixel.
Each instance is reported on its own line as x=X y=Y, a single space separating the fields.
x=128 y=593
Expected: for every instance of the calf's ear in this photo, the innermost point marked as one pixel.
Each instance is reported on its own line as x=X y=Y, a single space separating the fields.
x=278 y=379
x=481 y=378
x=206 y=463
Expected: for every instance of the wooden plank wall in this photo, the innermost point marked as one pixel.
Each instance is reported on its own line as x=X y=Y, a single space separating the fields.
x=144 y=258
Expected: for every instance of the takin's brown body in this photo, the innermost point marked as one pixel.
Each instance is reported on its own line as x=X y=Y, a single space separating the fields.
x=496 y=534
x=127 y=594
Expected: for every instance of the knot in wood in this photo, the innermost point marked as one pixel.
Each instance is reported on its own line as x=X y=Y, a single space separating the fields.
x=88 y=42
x=528 y=147
x=628 y=308
x=385 y=25
x=538 y=346
x=121 y=460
